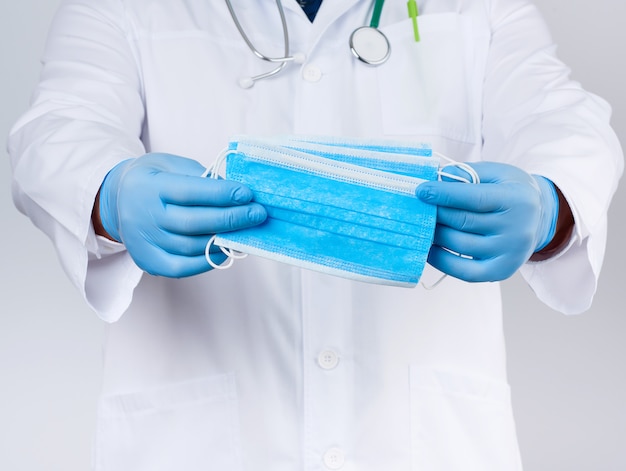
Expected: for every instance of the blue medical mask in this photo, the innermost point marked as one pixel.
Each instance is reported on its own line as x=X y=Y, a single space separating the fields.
x=347 y=209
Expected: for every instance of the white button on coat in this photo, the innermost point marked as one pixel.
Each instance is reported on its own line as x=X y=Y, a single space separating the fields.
x=311 y=73
x=334 y=458
x=328 y=359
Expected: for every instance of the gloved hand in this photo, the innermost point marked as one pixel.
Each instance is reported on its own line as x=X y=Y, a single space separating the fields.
x=499 y=222
x=164 y=212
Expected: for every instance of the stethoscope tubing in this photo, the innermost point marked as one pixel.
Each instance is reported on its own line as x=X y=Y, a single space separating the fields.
x=360 y=51
x=378 y=9
x=254 y=50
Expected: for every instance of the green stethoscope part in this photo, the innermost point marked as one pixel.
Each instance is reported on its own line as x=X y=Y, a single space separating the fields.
x=378 y=9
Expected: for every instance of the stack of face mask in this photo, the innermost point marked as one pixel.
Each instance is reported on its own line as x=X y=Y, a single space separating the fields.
x=345 y=208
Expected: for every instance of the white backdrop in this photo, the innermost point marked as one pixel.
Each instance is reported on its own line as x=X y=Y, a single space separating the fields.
x=568 y=373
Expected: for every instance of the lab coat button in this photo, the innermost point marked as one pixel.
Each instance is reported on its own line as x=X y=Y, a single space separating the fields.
x=311 y=73
x=328 y=359
x=334 y=458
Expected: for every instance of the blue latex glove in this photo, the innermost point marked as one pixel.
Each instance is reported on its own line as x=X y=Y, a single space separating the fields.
x=164 y=212
x=499 y=223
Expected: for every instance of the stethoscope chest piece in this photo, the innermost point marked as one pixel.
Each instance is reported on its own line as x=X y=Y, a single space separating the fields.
x=370 y=45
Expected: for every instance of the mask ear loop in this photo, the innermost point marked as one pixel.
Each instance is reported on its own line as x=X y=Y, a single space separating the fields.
x=216 y=166
x=232 y=255
x=474 y=178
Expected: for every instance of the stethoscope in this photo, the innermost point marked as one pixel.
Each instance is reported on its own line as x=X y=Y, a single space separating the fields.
x=367 y=43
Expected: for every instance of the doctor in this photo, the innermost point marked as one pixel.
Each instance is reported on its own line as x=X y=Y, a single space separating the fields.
x=267 y=366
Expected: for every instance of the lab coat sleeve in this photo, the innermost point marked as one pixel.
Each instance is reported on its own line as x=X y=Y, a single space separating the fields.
x=86 y=116
x=538 y=119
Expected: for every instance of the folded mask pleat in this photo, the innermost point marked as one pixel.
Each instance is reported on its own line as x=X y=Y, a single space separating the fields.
x=340 y=200
x=361 y=226
x=352 y=256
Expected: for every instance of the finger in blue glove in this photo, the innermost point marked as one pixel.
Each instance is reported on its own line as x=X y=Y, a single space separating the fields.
x=495 y=225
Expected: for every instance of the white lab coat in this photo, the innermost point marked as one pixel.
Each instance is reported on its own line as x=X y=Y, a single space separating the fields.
x=269 y=367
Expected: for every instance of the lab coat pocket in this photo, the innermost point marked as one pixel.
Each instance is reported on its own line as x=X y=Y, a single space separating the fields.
x=461 y=423
x=425 y=86
x=188 y=426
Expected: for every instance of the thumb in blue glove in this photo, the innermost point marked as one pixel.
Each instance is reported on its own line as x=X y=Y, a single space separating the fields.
x=165 y=212
x=486 y=232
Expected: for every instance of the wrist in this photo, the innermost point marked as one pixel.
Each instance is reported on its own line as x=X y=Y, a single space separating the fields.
x=563 y=232
x=96 y=221
x=105 y=215
x=549 y=213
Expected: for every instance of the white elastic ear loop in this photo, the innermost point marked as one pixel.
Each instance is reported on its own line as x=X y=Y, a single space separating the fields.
x=213 y=172
x=231 y=254
x=474 y=178
x=214 y=168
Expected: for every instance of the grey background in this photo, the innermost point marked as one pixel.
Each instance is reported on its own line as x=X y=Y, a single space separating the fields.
x=568 y=373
